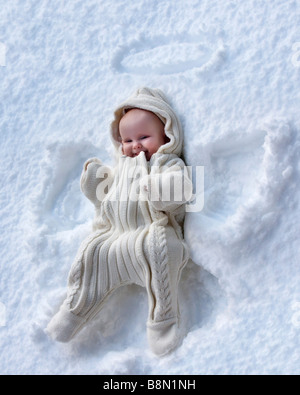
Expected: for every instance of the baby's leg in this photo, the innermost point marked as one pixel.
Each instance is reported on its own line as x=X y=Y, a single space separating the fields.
x=163 y=322
x=91 y=281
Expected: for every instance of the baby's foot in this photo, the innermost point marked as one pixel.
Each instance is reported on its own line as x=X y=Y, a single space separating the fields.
x=163 y=337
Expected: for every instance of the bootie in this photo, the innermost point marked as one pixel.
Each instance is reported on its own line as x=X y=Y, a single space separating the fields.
x=64 y=325
x=164 y=336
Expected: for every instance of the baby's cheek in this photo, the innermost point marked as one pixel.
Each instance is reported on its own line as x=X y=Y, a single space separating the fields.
x=126 y=151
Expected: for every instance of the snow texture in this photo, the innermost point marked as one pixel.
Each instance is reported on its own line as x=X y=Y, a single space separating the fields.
x=232 y=72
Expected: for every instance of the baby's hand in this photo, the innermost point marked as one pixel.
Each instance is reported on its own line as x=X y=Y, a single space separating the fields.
x=95 y=179
x=92 y=160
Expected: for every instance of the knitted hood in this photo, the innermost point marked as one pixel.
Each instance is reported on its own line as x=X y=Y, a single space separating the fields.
x=155 y=101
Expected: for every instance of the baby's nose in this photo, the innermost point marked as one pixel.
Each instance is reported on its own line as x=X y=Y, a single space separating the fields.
x=137 y=145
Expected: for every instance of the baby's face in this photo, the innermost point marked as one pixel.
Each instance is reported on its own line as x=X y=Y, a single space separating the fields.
x=141 y=130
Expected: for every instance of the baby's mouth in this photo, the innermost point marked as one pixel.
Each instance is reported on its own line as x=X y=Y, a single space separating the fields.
x=137 y=153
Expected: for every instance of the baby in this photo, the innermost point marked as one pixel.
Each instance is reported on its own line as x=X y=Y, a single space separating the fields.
x=137 y=232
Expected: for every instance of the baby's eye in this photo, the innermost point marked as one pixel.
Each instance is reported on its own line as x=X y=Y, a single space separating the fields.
x=144 y=137
x=127 y=141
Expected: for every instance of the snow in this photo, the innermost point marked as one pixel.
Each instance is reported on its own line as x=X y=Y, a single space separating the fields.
x=232 y=71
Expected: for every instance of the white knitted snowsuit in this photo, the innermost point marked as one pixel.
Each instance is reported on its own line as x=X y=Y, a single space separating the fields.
x=137 y=236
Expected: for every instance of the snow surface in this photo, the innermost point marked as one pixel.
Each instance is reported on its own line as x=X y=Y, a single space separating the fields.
x=232 y=71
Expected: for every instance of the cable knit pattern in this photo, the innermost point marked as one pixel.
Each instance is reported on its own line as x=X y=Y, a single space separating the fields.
x=136 y=239
x=160 y=273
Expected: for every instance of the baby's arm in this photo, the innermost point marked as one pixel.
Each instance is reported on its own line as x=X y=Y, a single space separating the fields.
x=168 y=186
x=95 y=180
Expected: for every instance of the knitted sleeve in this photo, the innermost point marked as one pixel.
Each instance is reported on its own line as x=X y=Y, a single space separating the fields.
x=168 y=186
x=96 y=180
